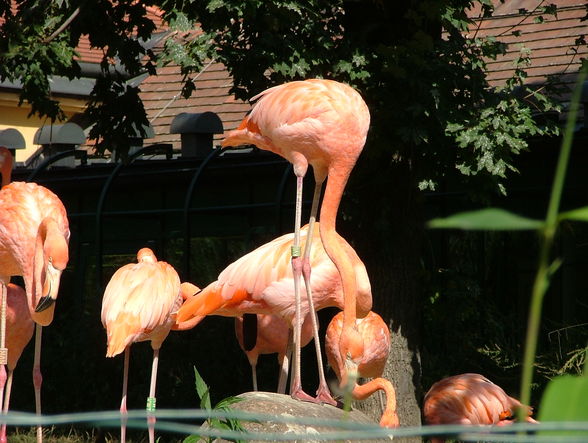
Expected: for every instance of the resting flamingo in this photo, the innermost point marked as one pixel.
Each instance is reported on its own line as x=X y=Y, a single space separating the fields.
x=19 y=331
x=34 y=237
x=470 y=399
x=260 y=282
x=376 y=338
x=273 y=336
x=137 y=306
x=323 y=123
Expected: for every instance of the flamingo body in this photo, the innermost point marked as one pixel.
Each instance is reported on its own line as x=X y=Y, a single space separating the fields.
x=376 y=337
x=34 y=237
x=138 y=301
x=260 y=282
x=138 y=304
x=469 y=399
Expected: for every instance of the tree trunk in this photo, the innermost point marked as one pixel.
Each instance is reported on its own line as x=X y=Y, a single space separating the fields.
x=391 y=222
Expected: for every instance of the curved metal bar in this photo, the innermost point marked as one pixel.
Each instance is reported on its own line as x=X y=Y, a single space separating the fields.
x=77 y=153
x=152 y=149
x=189 y=193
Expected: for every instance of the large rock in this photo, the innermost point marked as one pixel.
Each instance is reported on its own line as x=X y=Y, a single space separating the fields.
x=268 y=403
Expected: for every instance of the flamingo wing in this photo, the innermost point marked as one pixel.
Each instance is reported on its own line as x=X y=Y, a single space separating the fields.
x=138 y=299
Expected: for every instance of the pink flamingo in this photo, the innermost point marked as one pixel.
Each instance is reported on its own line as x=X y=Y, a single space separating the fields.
x=19 y=331
x=137 y=306
x=260 y=282
x=323 y=123
x=470 y=399
x=376 y=337
x=34 y=237
x=273 y=336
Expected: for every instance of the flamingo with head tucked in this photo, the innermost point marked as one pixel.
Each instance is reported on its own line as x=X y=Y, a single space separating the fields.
x=376 y=338
x=137 y=306
x=322 y=123
x=34 y=237
x=470 y=399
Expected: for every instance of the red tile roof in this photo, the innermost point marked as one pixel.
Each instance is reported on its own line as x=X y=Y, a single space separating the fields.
x=162 y=98
x=551 y=42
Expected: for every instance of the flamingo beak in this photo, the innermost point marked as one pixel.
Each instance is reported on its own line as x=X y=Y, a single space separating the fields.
x=350 y=375
x=44 y=303
x=49 y=295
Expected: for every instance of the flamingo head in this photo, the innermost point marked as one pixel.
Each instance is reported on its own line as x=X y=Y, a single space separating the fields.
x=187 y=292
x=351 y=351
x=50 y=261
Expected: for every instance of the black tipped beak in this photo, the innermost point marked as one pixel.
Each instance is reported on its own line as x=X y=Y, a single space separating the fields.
x=44 y=303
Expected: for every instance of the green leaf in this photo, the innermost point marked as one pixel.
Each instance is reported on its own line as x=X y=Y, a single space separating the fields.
x=202 y=390
x=579 y=214
x=565 y=399
x=491 y=219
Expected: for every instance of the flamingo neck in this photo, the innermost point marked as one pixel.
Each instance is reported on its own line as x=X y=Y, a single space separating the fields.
x=361 y=392
x=333 y=243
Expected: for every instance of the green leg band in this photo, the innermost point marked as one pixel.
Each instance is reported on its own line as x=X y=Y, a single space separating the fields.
x=295 y=251
x=151 y=404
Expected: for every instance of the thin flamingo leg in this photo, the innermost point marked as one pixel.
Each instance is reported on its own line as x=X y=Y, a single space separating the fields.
x=254 y=375
x=3 y=349
x=296 y=384
x=6 y=403
x=284 y=361
x=323 y=394
x=38 y=377
x=123 y=403
x=151 y=400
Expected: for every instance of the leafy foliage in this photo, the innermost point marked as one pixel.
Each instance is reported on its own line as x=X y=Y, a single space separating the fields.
x=203 y=392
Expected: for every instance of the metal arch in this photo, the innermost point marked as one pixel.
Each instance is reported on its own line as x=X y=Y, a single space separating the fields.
x=80 y=154
x=186 y=212
x=152 y=149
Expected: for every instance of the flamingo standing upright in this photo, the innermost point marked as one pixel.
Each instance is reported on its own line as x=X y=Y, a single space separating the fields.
x=19 y=331
x=260 y=282
x=137 y=306
x=273 y=336
x=323 y=123
x=470 y=399
x=376 y=337
x=34 y=237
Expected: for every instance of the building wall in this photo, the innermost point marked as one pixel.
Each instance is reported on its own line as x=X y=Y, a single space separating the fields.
x=17 y=117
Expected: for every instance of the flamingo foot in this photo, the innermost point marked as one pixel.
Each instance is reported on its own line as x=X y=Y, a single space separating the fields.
x=323 y=395
x=299 y=394
x=3 y=434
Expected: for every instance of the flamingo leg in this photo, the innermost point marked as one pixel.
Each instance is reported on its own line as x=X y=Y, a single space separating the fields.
x=284 y=361
x=151 y=400
x=3 y=349
x=296 y=384
x=323 y=394
x=38 y=377
x=123 y=403
x=6 y=403
x=253 y=364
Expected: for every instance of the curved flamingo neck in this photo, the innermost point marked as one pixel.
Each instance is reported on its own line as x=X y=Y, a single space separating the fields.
x=361 y=392
x=332 y=242
x=6 y=163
